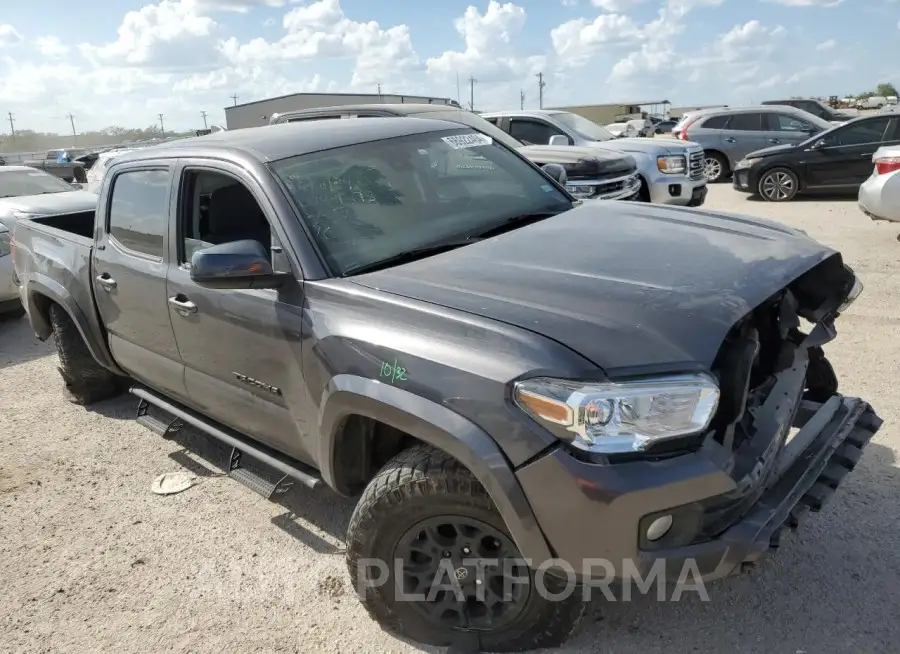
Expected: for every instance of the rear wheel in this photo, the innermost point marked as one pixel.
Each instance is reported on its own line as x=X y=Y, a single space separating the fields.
x=450 y=574
x=715 y=167
x=86 y=380
x=778 y=185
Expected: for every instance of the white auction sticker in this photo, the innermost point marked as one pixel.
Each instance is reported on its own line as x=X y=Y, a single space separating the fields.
x=462 y=141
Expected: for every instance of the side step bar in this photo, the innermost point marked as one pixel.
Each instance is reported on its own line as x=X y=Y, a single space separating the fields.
x=240 y=444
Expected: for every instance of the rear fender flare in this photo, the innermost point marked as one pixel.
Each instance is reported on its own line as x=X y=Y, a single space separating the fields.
x=41 y=286
x=442 y=428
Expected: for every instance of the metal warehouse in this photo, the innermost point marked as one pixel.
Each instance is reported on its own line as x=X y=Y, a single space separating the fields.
x=604 y=114
x=257 y=113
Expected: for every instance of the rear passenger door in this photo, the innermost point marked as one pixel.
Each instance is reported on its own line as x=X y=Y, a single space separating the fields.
x=785 y=129
x=742 y=134
x=844 y=158
x=129 y=275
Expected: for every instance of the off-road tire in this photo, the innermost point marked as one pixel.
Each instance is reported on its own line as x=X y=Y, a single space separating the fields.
x=86 y=380
x=417 y=484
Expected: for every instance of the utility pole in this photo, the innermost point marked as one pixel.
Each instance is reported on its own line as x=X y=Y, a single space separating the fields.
x=521 y=98
x=472 y=82
x=379 y=89
x=74 y=133
x=12 y=126
x=205 y=126
x=235 y=98
x=541 y=85
x=162 y=125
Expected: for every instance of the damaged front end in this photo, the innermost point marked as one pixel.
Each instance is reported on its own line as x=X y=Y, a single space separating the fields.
x=782 y=431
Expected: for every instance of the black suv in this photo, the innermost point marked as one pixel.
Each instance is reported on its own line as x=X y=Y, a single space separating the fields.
x=816 y=108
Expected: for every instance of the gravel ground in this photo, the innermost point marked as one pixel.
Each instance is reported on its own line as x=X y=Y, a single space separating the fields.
x=93 y=561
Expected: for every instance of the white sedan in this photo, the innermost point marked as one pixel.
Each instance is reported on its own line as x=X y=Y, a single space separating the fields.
x=622 y=130
x=879 y=196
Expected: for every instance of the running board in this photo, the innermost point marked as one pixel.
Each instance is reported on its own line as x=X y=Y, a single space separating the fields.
x=241 y=446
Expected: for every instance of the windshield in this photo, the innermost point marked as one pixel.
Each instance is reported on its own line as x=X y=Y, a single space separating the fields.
x=368 y=202
x=583 y=127
x=16 y=183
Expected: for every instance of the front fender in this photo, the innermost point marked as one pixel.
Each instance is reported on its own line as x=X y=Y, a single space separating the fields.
x=442 y=428
x=40 y=291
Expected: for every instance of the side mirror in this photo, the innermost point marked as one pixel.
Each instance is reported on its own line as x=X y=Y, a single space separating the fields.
x=559 y=139
x=818 y=145
x=235 y=265
x=557 y=172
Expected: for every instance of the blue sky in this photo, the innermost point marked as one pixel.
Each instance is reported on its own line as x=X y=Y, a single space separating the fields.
x=122 y=63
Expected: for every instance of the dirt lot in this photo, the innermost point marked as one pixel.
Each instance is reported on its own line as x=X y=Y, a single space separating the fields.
x=94 y=562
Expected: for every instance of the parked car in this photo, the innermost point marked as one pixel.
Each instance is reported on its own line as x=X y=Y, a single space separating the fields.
x=25 y=193
x=816 y=108
x=664 y=126
x=671 y=172
x=622 y=130
x=879 y=196
x=506 y=380
x=838 y=160
x=872 y=102
x=729 y=135
x=61 y=163
x=98 y=168
x=592 y=173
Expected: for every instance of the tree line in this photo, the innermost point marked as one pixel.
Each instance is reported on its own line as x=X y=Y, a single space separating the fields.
x=27 y=140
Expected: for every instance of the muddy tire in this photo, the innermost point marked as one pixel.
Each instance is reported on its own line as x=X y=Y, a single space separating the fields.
x=86 y=380
x=426 y=517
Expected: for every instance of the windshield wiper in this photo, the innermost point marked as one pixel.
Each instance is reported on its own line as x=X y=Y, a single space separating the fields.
x=517 y=221
x=408 y=255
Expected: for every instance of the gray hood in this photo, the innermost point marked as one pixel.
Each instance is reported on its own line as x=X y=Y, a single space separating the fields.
x=47 y=204
x=647 y=146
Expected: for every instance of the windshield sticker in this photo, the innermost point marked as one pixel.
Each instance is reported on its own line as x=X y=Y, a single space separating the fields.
x=547 y=188
x=393 y=372
x=463 y=141
x=423 y=151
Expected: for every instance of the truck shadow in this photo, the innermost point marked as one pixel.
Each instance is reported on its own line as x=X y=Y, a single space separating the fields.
x=18 y=344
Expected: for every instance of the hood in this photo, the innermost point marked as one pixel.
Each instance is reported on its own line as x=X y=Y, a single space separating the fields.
x=655 y=286
x=578 y=160
x=47 y=204
x=774 y=150
x=647 y=146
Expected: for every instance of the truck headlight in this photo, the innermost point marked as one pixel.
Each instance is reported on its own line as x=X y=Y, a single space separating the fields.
x=855 y=291
x=671 y=164
x=610 y=418
x=582 y=191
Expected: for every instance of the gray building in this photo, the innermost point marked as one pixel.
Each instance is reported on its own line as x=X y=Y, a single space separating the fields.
x=256 y=114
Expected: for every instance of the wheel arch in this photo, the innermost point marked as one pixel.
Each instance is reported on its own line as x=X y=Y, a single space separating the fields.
x=722 y=154
x=428 y=422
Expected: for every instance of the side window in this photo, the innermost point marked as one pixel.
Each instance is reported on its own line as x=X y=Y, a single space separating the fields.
x=532 y=132
x=493 y=121
x=715 y=122
x=751 y=122
x=786 y=123
x=139 y=210
x=868 y=131
x=811 y=107
x=217 y=208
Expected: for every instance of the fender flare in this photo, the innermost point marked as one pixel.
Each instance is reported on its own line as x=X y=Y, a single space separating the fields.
x=442 y=428
x=43 y=286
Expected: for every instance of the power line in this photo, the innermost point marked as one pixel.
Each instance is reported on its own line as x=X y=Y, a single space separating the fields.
x=472 y=82
x=541 y=85
x=74 y=133
x=235 y=99
x=162 y=125
x=205 y=126
x=12 y=125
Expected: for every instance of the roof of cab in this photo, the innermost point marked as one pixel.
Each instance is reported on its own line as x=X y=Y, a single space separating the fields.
x=274 y=142
x=399 y=109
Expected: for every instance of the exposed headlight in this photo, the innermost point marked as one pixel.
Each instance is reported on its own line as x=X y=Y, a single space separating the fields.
x=582 y=190
x=4 y=244
x=609 y=418
x=855 y=291
x=671 y=164
x=745 y=163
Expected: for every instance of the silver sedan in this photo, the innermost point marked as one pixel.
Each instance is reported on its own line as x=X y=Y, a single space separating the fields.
x=879 y=196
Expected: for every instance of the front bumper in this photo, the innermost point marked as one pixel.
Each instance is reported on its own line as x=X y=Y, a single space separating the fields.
x=744 y=180
x=680 y=190
x=596 y=511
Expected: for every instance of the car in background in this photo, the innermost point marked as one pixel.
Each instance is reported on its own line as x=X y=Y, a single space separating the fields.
x=837 y=161
x=728 y=135
x=622 y=130
x=62 y=163
x=591 y=173
x=879 y=195
x=28 y=193
x=816 y=108
x=98 y=168
x=664 y=126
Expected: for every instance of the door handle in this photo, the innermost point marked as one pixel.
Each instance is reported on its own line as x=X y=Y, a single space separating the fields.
x=730 y=140
x=107 y=282
x=182 y=305
x=774 y=141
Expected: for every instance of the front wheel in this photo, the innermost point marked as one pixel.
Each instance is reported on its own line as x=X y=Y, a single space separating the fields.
x=778 y=185
x=432 y=561
x=715 y=167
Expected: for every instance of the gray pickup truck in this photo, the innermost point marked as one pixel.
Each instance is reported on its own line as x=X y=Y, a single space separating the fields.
x=517 y=386
x=61 y=162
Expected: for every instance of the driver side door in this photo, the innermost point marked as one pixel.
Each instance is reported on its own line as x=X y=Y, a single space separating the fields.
x=844 y=160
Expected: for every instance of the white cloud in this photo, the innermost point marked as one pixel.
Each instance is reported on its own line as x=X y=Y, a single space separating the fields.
x=826 y=45
x=807 y=3
x=239 y=6
x=615 y=6
x=9 y=36
x=576 y=41
x=51 y=46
